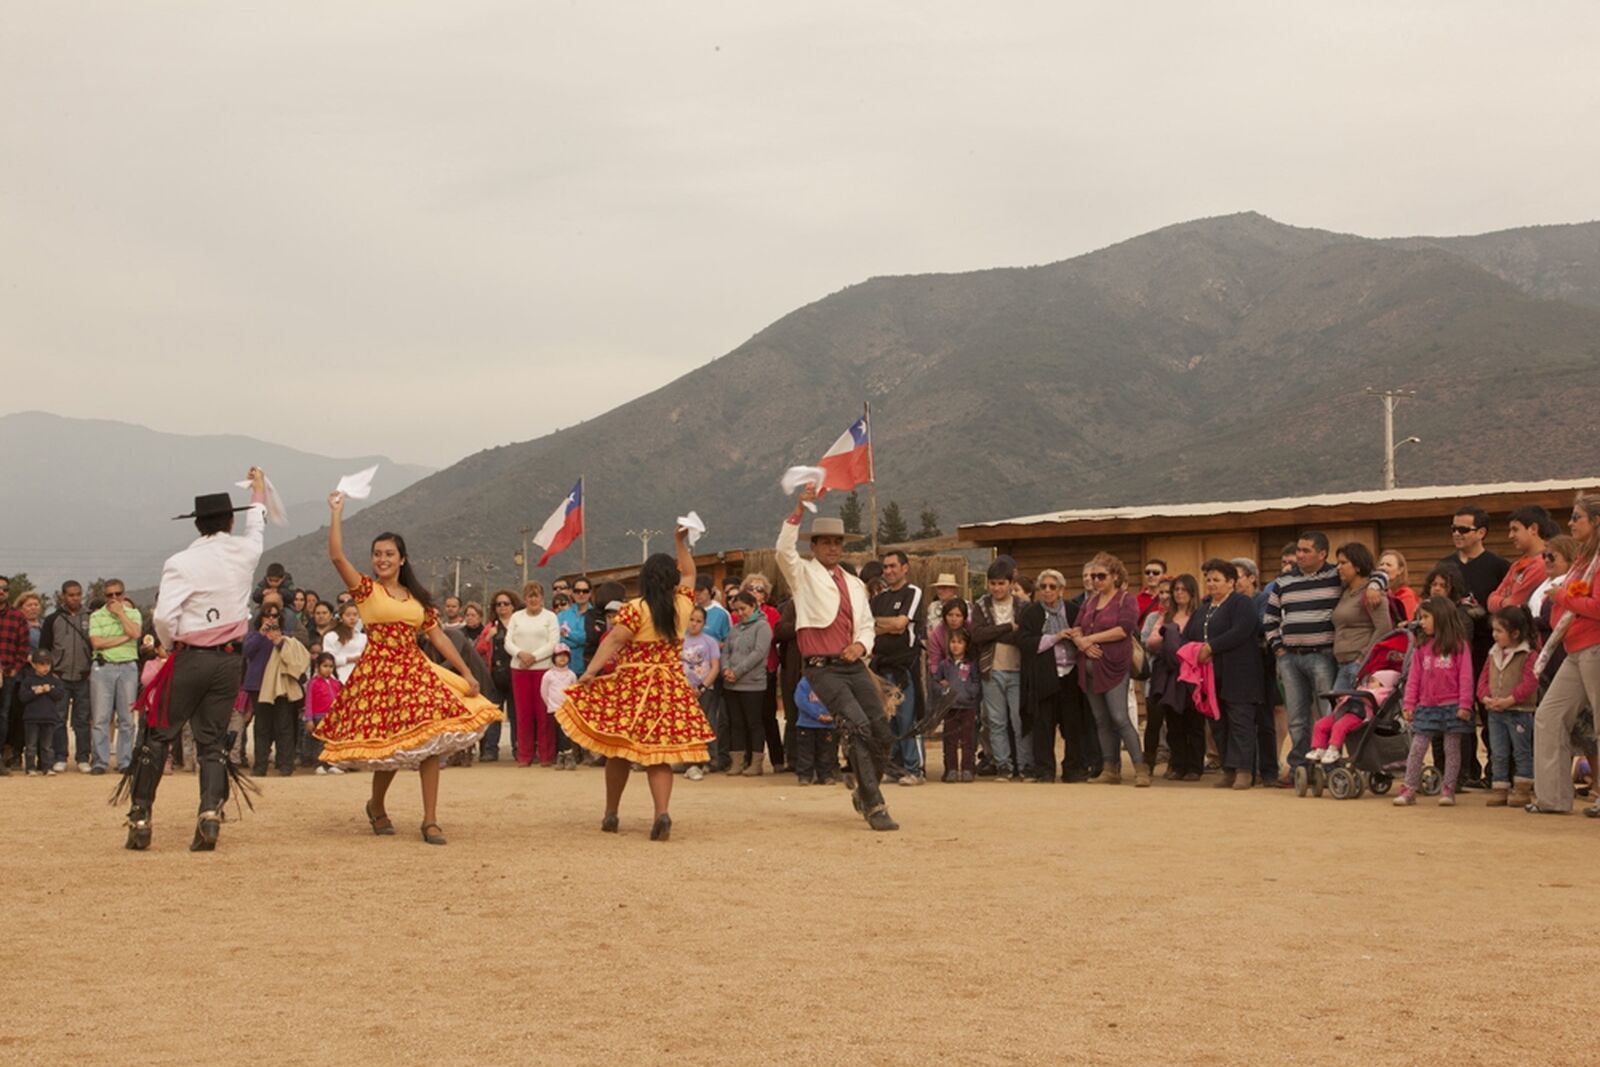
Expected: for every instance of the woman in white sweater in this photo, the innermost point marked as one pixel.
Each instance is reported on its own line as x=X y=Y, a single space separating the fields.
x=531 y=638
x=345 y=642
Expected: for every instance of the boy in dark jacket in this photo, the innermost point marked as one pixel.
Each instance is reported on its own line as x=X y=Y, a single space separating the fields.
x=42 y=696
x=816 y=757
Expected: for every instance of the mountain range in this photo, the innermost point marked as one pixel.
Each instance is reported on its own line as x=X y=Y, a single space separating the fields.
x=1219 y=358
x=113 y=487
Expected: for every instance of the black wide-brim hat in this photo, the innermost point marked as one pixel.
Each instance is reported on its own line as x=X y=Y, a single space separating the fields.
x=211 y=505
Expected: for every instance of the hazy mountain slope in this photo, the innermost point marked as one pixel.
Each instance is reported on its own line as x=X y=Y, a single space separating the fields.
x=1215 y=358
x=88 y=498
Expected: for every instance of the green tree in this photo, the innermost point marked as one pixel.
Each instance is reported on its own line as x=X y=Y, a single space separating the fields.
x=892 y=525
x=930 y=525
x=21 y=583
x=850 y=512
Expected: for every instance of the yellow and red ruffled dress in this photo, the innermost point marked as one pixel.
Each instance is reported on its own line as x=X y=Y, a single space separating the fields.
x=644 y=710
x=399 y=708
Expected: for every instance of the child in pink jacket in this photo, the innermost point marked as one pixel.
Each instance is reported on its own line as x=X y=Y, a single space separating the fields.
x=1439 y=695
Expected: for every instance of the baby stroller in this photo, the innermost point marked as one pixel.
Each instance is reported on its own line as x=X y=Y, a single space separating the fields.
x=1375 y=751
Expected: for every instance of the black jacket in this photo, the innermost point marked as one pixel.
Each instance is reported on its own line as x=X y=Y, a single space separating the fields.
x=1233 y=631
x=1039 y=675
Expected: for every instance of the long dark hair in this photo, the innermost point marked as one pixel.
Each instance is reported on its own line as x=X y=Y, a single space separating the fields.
x=408 y=577
x=658 y=579
x=1452 y=632
x=1185 y=581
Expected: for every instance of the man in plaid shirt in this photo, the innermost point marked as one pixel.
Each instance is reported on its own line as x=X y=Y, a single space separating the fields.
x=14 y=649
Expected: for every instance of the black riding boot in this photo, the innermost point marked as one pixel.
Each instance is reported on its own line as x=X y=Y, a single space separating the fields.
x=149 y=761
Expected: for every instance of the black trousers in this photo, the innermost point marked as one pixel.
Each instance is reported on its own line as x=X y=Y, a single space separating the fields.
x=769 y=720
x=275 y=728
x=1065 y=712
x=848 y=691
x=745 y=709
x=1186 y=739
x=203 y=689
x=1239 y=739
x=816 y=754
x=38 y=746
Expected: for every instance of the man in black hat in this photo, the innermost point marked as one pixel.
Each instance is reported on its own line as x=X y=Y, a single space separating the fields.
x=835 y=631
x=202 y=613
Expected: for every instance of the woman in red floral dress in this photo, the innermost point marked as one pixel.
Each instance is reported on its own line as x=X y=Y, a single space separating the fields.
x=398 y=711
x=643 y=711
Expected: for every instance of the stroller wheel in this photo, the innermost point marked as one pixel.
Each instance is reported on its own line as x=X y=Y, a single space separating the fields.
x=1381 y=783
x=1360 y=781
x=1301 y=782
x=1319 y=781
x=1432 y=781
x=1341 y=783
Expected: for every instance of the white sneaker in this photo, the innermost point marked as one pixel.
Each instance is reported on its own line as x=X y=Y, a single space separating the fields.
x=83 y=768
x=1330 y=755
x=31 y=774
x=1314 y=756
x=51 y=773
x=332 y=769
x=694 y=774
x=58 y=767
x=322 y=768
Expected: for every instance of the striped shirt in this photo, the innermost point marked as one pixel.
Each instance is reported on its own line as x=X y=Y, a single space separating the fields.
x=1299 y=615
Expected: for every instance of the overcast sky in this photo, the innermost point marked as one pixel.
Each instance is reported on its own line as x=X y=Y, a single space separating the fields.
x=422 y=229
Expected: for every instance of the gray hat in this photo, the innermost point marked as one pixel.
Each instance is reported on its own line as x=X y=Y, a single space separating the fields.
x=821 y=527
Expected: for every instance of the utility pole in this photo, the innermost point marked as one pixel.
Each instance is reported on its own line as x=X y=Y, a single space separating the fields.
x=522 y=556
x=458 y=577
x=1390 y=397
x=644 y=541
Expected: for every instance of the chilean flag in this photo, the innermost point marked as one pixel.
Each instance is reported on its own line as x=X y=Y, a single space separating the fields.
x=849 y=462
x=563 y=526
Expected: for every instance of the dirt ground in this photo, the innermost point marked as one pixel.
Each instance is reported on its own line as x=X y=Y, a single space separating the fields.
x=1004 y=923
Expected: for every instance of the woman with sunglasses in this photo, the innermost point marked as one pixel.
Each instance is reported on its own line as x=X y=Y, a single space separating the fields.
x=492 y=648
x=1575 y=613
x=1103 y=635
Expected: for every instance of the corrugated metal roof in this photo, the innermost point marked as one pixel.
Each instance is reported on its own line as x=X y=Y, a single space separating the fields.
x=1290 y=503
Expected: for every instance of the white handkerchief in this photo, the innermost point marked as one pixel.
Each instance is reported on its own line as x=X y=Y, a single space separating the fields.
x=357 y=486
x=277 y=514
x=795 y=477
x=694 y=524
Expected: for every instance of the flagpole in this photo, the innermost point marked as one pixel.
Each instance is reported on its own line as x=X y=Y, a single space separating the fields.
x=872 y=477
x=583 y=534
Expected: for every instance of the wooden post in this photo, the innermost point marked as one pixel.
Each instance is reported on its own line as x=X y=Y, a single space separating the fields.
x=583 y=534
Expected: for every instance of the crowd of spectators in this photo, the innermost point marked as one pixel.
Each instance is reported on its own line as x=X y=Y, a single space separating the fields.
x=1157 y=676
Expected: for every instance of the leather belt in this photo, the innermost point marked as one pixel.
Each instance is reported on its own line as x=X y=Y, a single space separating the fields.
x=227 y=648
x=827 y=661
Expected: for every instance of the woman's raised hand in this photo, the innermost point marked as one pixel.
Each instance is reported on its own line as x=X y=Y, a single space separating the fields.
x=336 y=502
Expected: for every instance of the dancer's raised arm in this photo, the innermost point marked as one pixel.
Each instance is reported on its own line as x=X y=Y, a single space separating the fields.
x=347 y=573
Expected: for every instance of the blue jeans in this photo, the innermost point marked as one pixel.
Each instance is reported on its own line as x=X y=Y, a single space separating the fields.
x=907 y=754
x=1511 y=742
x=112 y=688
x=1304 y=675
x=1115 y=727
x=1344 y=679
x=1002 y=711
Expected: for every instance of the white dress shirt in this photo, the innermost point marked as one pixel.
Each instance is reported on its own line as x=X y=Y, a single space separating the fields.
x=205 y=589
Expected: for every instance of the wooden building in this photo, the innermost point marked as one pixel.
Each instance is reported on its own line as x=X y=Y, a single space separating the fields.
x=1415 y=522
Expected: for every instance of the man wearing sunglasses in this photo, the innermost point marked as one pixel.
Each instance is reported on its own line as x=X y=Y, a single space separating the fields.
x=1484 y=571
x=114 y=633
x=1155 y=572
